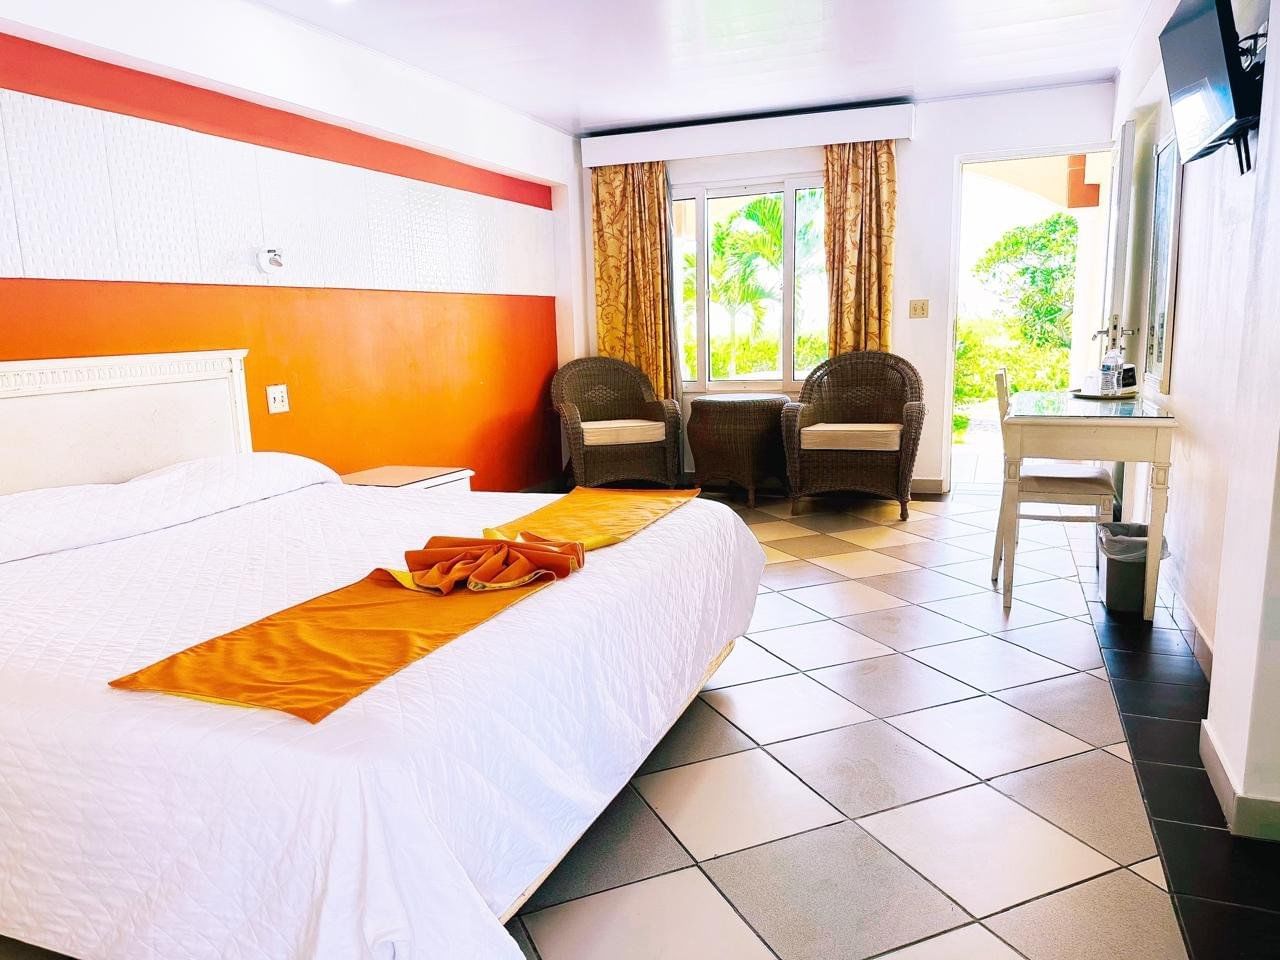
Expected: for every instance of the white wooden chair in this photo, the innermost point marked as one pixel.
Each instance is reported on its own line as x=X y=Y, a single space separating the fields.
x=1050 y=481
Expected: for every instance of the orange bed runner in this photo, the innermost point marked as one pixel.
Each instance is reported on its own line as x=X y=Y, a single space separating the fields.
x=313 y=658
x=594 y=518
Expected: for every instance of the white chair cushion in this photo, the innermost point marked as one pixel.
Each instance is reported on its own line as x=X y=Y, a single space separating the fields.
x=851 y=436
x=607 y=433
x=1049 y=477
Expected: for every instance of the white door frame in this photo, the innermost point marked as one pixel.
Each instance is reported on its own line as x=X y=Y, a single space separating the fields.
x=953 y=268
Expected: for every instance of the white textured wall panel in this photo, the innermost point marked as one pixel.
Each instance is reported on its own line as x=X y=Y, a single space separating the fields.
x=469 y=246
x=324 y=222
x=390 y=232
x=151 y=195
x=430 y=236
x=228 y=210
x=10 y=251
x=62 y=193
x=530 y=261
x=303 y=210
x=344 y=237
x=100 y=196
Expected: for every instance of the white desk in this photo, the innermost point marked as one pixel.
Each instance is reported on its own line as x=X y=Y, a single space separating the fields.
x=1059 y=426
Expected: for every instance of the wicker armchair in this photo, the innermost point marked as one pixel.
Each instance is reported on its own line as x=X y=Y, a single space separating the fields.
x=600 y=391
x=867 y=409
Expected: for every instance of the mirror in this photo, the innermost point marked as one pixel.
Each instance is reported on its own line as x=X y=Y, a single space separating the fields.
x=1164 y=266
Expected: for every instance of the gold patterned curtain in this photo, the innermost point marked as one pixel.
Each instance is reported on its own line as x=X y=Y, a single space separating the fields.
x=631 y=227
x=861 y=211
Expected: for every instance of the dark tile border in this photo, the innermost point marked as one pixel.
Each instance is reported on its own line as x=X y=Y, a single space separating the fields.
x=1168 y=701
x=1225 y=889
x=1214 y=865
x=1127 y=636
x=1163 y=741
x=1180 y=794
x=1226 y=930
x=1154 y=667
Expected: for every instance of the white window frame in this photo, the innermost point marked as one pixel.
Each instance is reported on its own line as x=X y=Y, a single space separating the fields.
x=700 y=193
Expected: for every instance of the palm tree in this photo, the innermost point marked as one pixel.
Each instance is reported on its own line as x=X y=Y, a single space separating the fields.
x=745 y=264
x=737 y=272
x=747 y=260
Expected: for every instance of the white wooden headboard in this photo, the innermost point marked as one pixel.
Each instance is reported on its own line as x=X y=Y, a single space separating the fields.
x=107 y=419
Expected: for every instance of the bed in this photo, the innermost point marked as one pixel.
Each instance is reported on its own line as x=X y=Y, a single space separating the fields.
x=410 y=823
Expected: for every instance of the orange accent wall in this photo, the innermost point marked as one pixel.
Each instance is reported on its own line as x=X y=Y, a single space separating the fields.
x=374 y=377
x=46 y=71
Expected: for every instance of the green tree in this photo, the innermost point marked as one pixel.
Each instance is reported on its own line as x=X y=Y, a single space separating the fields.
x=1033 y=269
x=983 y=346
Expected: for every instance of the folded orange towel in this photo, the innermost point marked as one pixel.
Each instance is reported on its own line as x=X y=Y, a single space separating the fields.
x=446 y=562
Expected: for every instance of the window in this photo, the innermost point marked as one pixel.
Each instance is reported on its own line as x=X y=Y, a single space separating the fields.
x=744 y=286
x=810 y=290
x=751 y=283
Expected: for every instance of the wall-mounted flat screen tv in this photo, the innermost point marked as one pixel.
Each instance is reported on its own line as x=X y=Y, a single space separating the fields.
x=1214 y=99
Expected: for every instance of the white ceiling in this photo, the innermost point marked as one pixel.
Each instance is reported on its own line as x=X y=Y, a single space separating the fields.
x=589 y=65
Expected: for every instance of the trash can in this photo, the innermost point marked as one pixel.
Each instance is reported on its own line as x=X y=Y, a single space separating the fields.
x=1124 y=564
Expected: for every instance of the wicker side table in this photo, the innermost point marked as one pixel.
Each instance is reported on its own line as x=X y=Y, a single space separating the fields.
x=737 y=438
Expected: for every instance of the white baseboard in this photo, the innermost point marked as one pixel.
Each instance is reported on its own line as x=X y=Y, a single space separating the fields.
x=1246 y=816
x=929 y=485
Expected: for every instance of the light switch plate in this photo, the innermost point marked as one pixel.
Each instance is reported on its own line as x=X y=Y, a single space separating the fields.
x=918 y=309
x=278 y=398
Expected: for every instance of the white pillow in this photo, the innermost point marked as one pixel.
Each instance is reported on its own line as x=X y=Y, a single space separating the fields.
x=37 y=522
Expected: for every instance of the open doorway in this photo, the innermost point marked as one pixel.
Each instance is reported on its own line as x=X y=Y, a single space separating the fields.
x=1030 y=290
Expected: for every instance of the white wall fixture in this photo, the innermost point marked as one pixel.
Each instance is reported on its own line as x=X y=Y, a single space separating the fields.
x=271 y=260
x=87 y=194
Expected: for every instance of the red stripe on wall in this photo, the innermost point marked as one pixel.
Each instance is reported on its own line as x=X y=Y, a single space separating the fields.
x=375 y=377
x=46 y=71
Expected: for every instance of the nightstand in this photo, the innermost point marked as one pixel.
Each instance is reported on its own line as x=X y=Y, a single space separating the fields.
x=413 y=478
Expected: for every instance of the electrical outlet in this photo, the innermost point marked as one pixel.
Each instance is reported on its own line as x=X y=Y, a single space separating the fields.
x=278 y=398
x=918 y=309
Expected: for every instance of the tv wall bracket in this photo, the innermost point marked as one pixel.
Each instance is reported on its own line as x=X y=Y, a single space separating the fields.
x=1252 y=54
x=1243 y=156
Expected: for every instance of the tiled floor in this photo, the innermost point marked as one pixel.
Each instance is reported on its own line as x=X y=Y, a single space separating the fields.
x=892 y=765
x=1226 y=889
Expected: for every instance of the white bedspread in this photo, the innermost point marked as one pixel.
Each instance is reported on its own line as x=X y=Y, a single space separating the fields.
x=140 y=826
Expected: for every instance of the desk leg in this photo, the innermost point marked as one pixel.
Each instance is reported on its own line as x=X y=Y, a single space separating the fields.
x=1155 y=532
x=1009 y=522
